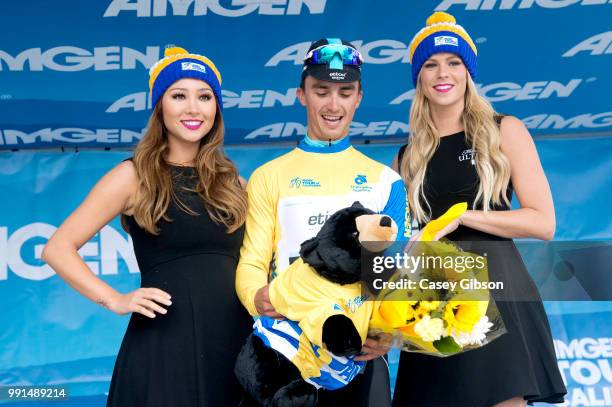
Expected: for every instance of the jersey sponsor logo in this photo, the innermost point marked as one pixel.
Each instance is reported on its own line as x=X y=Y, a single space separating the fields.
x=359 y=186
x=374 y=52
x=298 y=182
x=319 y=219
x=504 y=91
x=472 y=5
x=360 y=179
x=20 y=252
x=598 y=44
x=67 y=58
x=446 y=40
x=225 y=8
x=354 y=304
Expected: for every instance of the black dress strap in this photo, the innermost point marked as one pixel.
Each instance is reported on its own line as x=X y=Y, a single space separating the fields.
x=400 y=156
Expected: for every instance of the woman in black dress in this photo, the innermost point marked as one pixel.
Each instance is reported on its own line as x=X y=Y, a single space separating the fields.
x=461 y=151
x=182 y=202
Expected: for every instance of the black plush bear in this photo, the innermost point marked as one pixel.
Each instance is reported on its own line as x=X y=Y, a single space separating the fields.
x=284 y=362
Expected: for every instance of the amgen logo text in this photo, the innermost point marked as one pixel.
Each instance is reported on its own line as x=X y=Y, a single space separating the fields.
x=225 y=8
x=512 y=4
x=20 y=252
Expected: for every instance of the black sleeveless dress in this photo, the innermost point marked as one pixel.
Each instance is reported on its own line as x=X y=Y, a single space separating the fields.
x=519 y=363
x=185 y=357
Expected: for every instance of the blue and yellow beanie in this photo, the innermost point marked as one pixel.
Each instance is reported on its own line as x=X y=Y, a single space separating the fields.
x=178 y=64
x=442 y=34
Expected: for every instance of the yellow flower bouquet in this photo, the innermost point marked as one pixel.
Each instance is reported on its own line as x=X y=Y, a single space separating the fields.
x=443 y=306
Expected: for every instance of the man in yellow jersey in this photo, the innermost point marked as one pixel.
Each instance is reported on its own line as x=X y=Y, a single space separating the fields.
x=291 y=196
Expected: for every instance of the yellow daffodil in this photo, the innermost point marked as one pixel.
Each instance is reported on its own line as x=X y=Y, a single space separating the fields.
x=463 y=315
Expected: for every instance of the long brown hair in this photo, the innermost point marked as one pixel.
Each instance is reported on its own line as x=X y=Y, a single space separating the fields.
x=481 y=131
x=218 y=183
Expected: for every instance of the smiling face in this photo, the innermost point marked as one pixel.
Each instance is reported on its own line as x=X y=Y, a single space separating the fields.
x=330 y=107
x=189 y=108
x=443 y=79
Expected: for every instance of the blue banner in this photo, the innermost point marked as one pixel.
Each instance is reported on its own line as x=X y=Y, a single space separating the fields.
x=52 y=335
x=77 y=76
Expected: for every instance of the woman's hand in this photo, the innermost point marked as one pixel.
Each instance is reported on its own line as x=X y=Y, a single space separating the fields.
x=448 y=229
x=144 y=301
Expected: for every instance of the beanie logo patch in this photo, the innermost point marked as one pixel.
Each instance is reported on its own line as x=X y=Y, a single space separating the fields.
x=446 y=40
x=192 y=66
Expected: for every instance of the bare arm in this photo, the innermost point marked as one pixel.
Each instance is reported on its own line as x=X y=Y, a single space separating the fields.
x=111 y=196
x=536 y=216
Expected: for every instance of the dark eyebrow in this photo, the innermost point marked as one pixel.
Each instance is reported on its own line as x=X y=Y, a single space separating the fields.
x=199 y=90
x=348 y=87
x=320 y=86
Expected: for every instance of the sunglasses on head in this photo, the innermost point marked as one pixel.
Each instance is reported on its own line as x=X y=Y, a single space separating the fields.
x=326 y=54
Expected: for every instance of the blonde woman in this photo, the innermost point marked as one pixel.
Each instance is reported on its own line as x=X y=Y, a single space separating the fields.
x=182 y=202
x=460 y=150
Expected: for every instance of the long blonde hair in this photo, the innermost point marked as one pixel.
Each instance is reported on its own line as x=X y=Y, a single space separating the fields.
x=482 y=133
x=218 y=182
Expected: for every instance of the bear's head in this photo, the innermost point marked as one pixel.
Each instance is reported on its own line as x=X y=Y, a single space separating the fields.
x=335 y=252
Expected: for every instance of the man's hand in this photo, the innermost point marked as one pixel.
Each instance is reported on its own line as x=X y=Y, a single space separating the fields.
x=375 y=347
x=263 y=305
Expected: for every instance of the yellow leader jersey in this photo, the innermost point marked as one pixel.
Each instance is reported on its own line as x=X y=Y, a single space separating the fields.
x=290 y=198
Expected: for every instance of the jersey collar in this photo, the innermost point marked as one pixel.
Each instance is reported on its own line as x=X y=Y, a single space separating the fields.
x=337 y=147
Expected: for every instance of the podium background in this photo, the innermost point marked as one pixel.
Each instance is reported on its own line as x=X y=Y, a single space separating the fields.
x=73 y=81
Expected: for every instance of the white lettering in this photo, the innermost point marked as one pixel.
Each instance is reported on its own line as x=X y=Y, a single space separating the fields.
x=159 y=8
x=112 y=243
x=108 y=246
x=597 y=45
x=588 y=120
x=585 y=348
x=72 y=59
x=32 y=56
x=503 y=91
x=390 y=51
x=16 y=138
x=375 y=52
x=14 y=245
x=134 y=101
x=499 y=92
x=509 y=4
x=293 y=53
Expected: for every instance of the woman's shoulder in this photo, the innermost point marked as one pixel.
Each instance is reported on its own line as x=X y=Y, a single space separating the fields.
x=514 y=134
x=122 y=176
x=126 y=168
x=510 y=125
